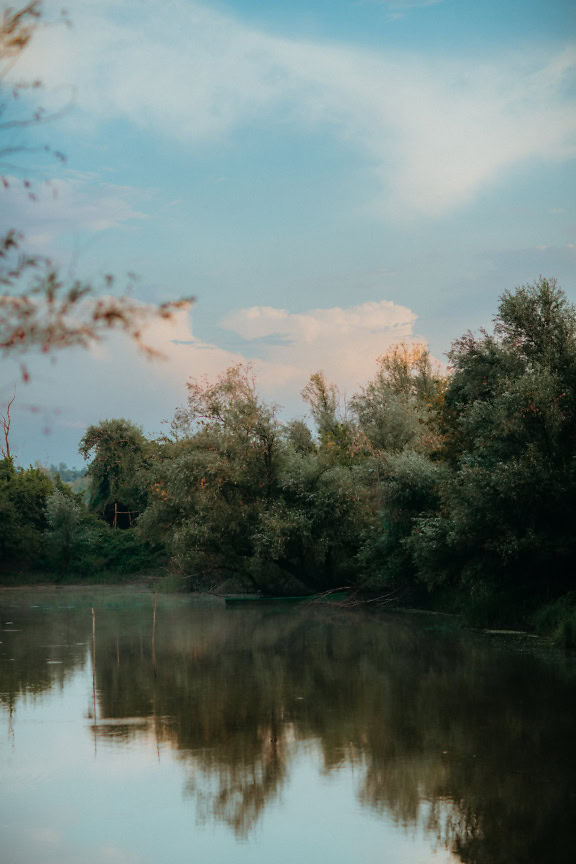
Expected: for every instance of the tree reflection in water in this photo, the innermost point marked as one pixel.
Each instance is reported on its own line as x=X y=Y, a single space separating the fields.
x=455 y=732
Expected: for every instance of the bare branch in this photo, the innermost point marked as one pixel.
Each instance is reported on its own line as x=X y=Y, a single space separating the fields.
x=5 y=419
x=51 y=315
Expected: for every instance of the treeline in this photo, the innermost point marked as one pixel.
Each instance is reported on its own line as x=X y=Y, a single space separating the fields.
x=48 y=533
x=453 y=489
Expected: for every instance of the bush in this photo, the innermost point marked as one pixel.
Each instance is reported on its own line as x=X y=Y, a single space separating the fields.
x=173 y=583
x=558 y=619
x=119 y=551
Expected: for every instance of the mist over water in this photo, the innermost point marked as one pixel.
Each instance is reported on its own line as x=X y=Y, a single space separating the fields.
x=273 y=734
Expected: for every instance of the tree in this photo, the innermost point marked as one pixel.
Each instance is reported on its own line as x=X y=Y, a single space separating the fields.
x=334 y=431
x=409 y=490
x=397 y=409
x=504 y=525
x=119 y=450
x=215 y=474
x=236 y=493
x=65 y=522
x=396 y=416
x=23 y=496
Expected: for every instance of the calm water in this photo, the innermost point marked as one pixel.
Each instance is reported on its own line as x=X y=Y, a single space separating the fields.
x=276 y=736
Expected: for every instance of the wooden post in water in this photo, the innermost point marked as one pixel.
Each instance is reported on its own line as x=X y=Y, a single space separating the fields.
x=94 y=672
x=154 y=718
x=154 y=634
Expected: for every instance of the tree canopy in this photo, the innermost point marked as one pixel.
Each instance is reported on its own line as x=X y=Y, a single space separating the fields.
x=454 y=489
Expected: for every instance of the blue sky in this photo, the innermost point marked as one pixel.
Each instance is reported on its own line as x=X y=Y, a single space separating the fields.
x=327 y=177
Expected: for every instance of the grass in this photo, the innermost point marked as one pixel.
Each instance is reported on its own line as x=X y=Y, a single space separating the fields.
x=558 y=619
x=172 y=584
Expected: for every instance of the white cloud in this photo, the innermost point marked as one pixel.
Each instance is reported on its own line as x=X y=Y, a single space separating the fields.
x=435 y=132
x=112 y=380
x=343 y=342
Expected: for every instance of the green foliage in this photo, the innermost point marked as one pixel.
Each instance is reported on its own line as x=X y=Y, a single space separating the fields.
x=397 y=414
x=173 y=583
x=215 y=476
x=323 y=399
x=65 y=523
x=237 y=493
x=558 y=619
x=45 y=527
x=92 y=548
x=23 y=496
x=120 y=454
x=120 y=552
x=409 y=488
x=396 y=409
x=566 y=632
x=457 y=490
x=504 y=519
x=299 y=437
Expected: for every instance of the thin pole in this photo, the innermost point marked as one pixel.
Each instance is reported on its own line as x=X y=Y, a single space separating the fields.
x=154 y=718
x=154 y=668
x=154 y=634
x=94 y=672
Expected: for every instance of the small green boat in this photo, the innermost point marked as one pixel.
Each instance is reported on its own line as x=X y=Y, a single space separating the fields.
x=262 y=600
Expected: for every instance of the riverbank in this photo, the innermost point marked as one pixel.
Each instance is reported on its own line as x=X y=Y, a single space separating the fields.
x=105 y=579
x=556 y=620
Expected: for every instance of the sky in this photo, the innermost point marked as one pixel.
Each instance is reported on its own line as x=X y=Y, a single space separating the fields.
x=327 y=177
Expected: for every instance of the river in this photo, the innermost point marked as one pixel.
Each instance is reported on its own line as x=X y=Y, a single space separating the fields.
x=273 y=735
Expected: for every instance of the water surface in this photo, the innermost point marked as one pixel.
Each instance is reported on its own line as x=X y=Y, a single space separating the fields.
x=274 y=735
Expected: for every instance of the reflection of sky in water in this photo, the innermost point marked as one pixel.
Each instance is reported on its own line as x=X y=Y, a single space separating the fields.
x=277 y=737
x=62 y=804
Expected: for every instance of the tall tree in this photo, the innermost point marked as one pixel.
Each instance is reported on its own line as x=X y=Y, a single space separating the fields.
x=397 y=408
x=505 y=520
x=119 y=453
